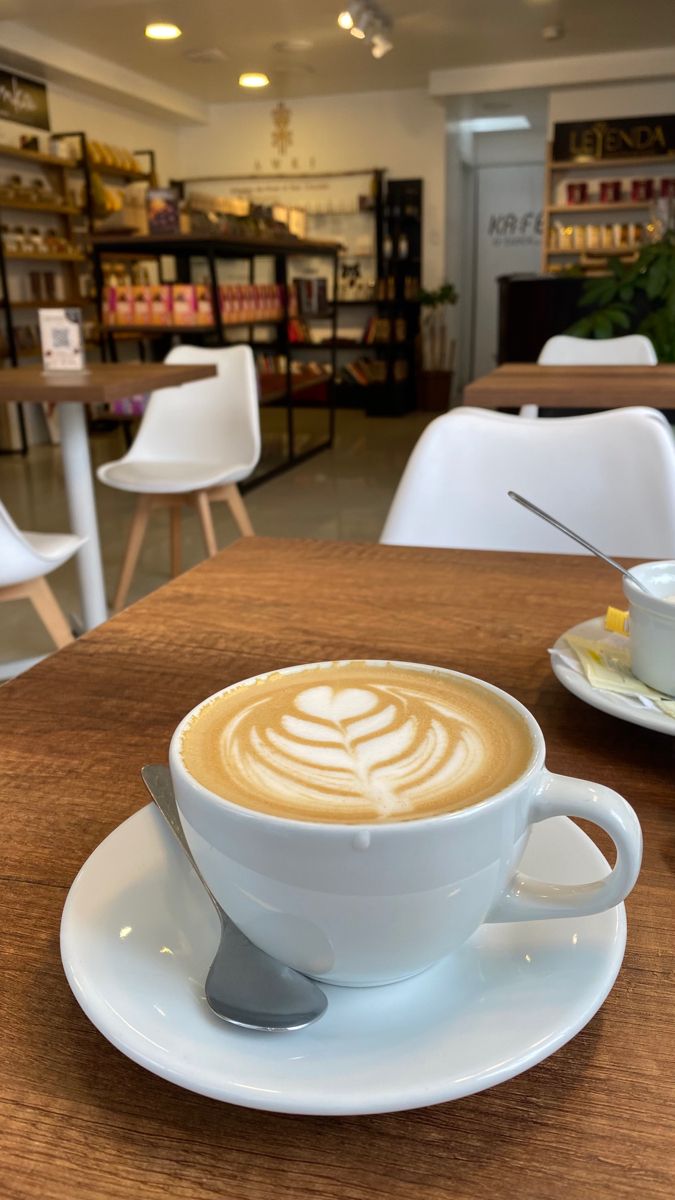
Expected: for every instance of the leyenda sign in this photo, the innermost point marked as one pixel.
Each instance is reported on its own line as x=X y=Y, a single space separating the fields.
x=23 y=100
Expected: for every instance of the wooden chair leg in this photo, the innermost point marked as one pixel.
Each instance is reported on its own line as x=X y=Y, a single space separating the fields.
x=239 y=510
x=49 y=611
x=204 y=510
x=176 y=541
x=137 y=529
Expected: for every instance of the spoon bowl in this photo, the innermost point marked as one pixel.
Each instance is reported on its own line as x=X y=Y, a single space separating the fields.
x=244 y=985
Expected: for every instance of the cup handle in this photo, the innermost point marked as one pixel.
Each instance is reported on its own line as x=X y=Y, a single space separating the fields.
x=527 y=899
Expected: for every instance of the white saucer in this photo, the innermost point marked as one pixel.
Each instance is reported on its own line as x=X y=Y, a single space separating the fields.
x=609 y=702
x=138 y=934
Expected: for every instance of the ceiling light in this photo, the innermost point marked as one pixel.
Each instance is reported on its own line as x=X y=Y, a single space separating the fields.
x=497 y=124
x=163 y=31
x=253 y=79
x=357 y=32
x=380 y=45
x=551 y=33
x=345 y=20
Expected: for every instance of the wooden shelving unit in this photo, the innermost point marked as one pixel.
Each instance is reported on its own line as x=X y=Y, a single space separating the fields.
x=592 y=170
x=55 y=172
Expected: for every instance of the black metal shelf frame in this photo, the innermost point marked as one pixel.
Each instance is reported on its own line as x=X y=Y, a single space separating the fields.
x=183 y=249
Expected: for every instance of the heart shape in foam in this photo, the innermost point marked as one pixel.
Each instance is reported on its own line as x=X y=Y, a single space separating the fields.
x=335 y=704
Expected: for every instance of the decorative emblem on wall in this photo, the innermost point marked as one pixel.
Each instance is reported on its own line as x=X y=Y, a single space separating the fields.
x=282 y=137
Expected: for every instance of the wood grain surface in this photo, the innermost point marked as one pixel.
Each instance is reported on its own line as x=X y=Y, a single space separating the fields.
x=79 y=1121
x=514 y=384
x=100 y=383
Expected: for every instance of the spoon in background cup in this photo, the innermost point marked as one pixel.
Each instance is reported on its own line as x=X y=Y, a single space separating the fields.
x=539 y=512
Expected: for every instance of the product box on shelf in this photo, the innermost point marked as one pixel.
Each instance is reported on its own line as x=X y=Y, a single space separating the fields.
x=184 y=304
x=160 y=304
x=204 y=307
x=142 y=298
x=124 y=306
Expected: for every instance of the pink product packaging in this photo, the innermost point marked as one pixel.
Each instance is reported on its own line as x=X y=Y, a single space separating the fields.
x=226 y=302
x=160 y=305
x=184 y=304
x=110 y=306
x=124 y=306
x=204 y=313
x=142 y=298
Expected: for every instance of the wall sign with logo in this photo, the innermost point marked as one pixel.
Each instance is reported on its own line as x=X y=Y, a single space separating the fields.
x=625 y=137
x=23 y=100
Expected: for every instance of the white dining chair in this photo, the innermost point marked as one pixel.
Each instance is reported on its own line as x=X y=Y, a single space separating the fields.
x=194 y=445
x=610 y=476
x=633 y=350
x=25 y=559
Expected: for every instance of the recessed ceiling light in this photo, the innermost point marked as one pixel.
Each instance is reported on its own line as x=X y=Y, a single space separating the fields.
x=356 y=32
x=551 y=33
x=345 y=20
x=253 y=79
x=162 y=31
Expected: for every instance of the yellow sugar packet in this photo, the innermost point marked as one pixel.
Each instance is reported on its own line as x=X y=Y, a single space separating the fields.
x=606 y=665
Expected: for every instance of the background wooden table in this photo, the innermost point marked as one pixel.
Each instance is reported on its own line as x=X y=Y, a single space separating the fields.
x=79 y=1121
x=515 y=384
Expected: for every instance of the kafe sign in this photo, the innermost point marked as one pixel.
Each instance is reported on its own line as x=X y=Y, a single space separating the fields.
x=625 y=137
x=23 y=100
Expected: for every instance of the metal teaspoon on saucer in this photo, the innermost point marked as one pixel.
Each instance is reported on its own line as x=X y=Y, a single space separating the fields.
x=244 y=985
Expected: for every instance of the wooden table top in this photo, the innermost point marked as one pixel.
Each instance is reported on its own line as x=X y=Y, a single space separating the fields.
x=100 y=383
x=514 y=384
x=80 y=1121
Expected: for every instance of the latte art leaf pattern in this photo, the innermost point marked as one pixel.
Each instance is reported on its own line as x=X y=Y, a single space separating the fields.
x=379 y=750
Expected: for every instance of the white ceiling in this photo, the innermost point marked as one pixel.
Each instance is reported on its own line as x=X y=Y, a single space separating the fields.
x=428 y=35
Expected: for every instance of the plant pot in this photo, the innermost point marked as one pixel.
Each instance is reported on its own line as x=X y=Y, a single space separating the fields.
x=433 y=390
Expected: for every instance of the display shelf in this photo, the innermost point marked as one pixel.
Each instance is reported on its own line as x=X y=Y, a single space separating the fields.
x=575 y=170
x=35 y=156
x=618 y=206
x=67 y=302
x=159 y=329
x=117 y=172
x=11 y=204
x=603 y=164
x=57 y=256
x=183 y=248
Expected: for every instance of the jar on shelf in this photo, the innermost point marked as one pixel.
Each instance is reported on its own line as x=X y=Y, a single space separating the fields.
x=610 y=191
x=577 y=192
x=642 y=190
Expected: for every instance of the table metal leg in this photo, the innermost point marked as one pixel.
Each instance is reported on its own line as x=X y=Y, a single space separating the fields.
x=82 y=509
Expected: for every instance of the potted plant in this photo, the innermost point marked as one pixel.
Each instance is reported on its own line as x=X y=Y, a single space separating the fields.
x=636 y=297
x=438 y=348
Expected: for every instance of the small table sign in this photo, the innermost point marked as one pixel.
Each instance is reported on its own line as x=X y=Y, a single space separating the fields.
x=61 y=338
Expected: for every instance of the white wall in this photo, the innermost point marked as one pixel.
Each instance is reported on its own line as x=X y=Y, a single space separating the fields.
x=612 y=100
x=402 y=132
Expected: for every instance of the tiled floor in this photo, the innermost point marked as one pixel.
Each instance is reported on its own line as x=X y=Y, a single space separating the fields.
x=342 y=493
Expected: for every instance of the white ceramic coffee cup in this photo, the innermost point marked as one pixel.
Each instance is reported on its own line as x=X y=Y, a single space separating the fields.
x=652 y=625
x=371 y=903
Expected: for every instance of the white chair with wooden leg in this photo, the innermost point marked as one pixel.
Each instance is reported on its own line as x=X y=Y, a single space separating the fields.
x=195 y=444
x=25 y=559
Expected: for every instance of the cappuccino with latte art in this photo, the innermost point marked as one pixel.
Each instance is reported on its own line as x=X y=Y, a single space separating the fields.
x=356 y=742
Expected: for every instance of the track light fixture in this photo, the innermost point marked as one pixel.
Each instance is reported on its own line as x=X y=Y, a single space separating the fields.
x=363 y=19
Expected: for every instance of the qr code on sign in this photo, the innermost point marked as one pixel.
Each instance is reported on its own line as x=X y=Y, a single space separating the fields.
x=61 y=339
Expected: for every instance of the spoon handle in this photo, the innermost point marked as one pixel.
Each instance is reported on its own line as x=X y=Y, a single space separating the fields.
x=539 y=512
x=158 y=782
